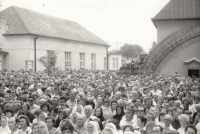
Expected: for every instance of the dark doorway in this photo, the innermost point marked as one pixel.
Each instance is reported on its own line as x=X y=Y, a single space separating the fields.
x=193 y=72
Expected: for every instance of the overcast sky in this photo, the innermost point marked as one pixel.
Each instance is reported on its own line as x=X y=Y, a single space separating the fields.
x=114 y=21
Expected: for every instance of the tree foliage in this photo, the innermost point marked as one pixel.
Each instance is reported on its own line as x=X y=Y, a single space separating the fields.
x=153 y=45
x=131 y=51
x=49 y=61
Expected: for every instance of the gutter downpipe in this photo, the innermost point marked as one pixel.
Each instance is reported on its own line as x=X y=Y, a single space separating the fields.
x=35 y=52
x=107 y=58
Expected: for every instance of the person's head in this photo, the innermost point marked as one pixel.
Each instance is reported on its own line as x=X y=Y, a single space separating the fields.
x=120 y=110
x=172 y=132
x=129 y=113
x=161 y=117
x=41 y=128
x=16 y=106
x=149 y=126
x=167 y=120
x=34 y=128
x=92 y=127
x=184 y=120
x=50 y=121
x=37 y=113
x=113 y=104
x=45 y=107
x=99 y=100
x=4 y=121
x=24 y=121
x=141 y=120
x=150 y=116
x=63 y=114
x=80 y=120
x=31 y=100
x=190 y=129
x=141 y=110
x=106 y=104
x=25 y=107
x=55 y=101
x=128 y=128
x=98 y=112
x=42 y=116
x=107 y=131
x=88 y=110
x=67 y=129
x=148 y=102
x=178 y=112
x=197 y=106
x=157 y=129
x=13 y=123
x=63 y=100
x=9 y=113
x=139 y=102
x=107 y=115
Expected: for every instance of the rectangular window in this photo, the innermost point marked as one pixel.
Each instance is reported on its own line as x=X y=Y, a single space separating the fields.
x=113 y=63
x=105 y=61
x=67 y=60
x=29 y=65
x=93 y=61
x=117 y=64
x=82 y=60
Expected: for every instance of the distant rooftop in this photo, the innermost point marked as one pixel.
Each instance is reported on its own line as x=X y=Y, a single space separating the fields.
x=180 y=9
x=23 y=21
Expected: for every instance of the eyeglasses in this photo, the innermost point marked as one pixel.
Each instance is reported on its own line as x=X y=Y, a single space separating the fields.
x=30 y=100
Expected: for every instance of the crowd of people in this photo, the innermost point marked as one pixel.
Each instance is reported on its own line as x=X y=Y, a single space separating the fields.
x=98 y=102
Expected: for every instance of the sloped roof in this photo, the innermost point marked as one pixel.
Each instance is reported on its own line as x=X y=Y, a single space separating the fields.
x=180 y=9
x=115 y=52
x=24 y=21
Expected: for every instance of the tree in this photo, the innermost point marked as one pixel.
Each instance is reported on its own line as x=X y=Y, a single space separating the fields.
x=131 y=51
x=49 y=61
x=153 y=45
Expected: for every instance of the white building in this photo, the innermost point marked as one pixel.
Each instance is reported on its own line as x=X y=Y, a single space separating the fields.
x=114 y=60
x=27 y=35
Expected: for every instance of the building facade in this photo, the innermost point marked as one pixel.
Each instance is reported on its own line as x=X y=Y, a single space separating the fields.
x=178 y=40
x=26 y=35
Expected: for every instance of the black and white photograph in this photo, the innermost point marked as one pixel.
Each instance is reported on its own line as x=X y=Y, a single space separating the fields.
x=99 y=66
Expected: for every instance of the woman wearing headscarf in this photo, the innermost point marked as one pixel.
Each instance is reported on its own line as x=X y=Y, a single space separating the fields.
x=4 y=129
x=99 y=113
x=184 y=122
x=63 y=114
x=79 y=109
x=108 y=130
x=111 y=126
x=119 y=113
x=92 y=127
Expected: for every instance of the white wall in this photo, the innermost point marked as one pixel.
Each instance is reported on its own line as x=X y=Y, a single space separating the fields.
x=21 y=48
x=110 y=61
x=167 y=27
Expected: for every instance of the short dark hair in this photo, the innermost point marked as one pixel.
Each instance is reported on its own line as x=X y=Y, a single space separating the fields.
x=63 y=98
x=45 y=104
x=52 y=119
x=192 y=127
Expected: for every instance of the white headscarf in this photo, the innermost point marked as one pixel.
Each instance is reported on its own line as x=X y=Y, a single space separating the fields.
x=95 y=125
x=111 y=126
x=5 y=130
x=74 y=110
